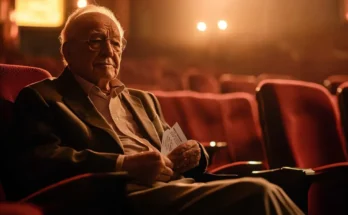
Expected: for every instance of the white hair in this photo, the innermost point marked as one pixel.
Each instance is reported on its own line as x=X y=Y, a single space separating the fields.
x=78 y=12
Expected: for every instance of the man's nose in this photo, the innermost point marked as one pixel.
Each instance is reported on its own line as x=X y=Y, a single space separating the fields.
x=107 y=49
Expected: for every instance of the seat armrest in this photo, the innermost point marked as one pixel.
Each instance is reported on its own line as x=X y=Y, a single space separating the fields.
x=331 y=170
x=240 y=167
x=91 y=193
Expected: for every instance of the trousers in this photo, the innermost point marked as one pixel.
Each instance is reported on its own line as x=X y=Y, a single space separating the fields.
x=233 y=196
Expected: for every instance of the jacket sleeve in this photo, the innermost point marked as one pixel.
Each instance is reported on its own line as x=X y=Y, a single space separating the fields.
x=40 y=154
x=203 y=163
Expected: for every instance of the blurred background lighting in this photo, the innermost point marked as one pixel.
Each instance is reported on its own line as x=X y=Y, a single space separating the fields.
x=81 y=3
x=222 y=24
x=201 y=26
x=212 y=143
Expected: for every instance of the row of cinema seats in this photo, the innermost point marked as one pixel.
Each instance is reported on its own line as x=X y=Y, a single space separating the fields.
x=68 y=196
x=288 y=123
x=195 y=80
x=228 y=83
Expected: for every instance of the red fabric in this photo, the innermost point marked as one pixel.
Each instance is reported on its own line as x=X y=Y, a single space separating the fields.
x=200 y=82
x=204 y=117
x=242 y=127
x=301 y=124
x=14 y=77
x=230 y=118
x=237 y=83
x=171 y=108
x=18 y=209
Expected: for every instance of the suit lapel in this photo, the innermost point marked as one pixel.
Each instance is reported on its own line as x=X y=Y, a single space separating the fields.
x=137 y=108
x=80 y=104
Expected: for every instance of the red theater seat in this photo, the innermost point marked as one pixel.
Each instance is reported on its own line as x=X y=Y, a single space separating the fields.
x=172 y=109
x=230 y=118
x=242 y=127
x=200 y=82
x=300 y=123
x=237 y=83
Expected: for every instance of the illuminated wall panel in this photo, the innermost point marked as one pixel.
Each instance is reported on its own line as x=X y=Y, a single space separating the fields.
x=40 y=13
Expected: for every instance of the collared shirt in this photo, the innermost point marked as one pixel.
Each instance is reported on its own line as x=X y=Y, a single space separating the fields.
x=117 y=115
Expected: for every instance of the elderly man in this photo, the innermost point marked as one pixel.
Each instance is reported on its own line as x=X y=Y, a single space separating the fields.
x=88 y=121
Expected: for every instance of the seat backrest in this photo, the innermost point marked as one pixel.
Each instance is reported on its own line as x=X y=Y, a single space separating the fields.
x=230 y=83
x=203 y=113
x=265 y=76
x=342 y=97
x=332 y=82
x=13 y=78
x=300 y=124
x=200 y=82
x=171 y=108
x=242 y=127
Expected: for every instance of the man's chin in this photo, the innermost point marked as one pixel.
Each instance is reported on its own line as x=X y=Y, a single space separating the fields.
x=107 y=73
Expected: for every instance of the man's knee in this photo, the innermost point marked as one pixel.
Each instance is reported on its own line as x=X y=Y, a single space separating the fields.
x=254 y=186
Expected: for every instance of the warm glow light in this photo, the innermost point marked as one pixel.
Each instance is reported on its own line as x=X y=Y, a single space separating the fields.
x=39 y=13
x=254 y=162
x=222 y=24
x=212 y=144
x=347 y=16
x=201 y=26
x=81 y=3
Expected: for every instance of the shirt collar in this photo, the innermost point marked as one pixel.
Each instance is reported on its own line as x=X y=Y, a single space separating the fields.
x=116 y=87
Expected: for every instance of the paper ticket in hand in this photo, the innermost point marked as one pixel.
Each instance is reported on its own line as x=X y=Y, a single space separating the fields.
x=172 y=138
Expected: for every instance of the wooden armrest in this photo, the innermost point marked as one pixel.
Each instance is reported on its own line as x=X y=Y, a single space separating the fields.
x=91 y=193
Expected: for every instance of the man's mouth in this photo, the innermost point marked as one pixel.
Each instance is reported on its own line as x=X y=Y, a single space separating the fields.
x=105 y=64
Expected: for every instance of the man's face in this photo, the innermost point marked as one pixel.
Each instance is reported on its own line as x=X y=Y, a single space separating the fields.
x=94 y=48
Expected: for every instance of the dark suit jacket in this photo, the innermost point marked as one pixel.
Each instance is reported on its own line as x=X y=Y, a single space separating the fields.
x=59 y=134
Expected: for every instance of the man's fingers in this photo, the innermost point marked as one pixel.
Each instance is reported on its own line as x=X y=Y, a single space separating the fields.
x=163 y=178
x=165 y=175
x=192 y=154
x=167 y=171
x=185 y=146
x=168 y=162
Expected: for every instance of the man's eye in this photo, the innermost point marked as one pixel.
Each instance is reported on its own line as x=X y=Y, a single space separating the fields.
x=115 y=44
x=94 y=41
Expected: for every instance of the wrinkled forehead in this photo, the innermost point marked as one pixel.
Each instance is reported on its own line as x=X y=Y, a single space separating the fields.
x=88 y=23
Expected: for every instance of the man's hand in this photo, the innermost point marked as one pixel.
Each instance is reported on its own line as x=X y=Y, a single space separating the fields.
x=148 y=167
x=186 y=156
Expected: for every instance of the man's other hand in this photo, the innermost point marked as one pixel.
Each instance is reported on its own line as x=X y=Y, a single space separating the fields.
x=186 y=156
x=148 y=167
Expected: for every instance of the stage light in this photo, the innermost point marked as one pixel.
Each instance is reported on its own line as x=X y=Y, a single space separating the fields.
x=222 y=25
x=201 y=26
x=81 y=3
